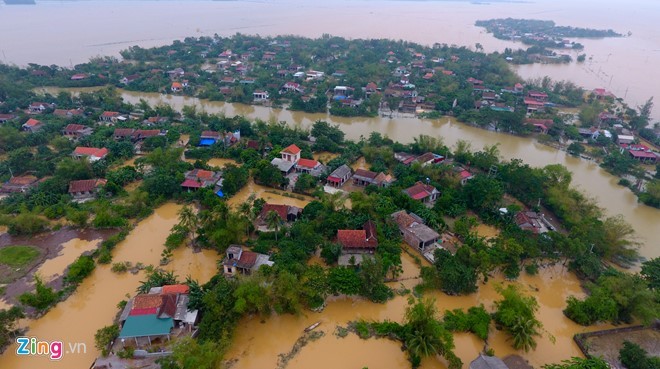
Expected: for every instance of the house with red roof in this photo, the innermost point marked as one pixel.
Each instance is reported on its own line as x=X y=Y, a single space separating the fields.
x=68 y=114
x=85 y=189
x=79 y=76
x=289 y=158
x=310 y=166
x=363 y=177
x=32 y=125
x=19 y=184
x=111 y=117
x=286 y=213
x=91 y=153
x=640 y=152
x=200 y=178
x=292 y=87
x=239 y=261
x=76 y=131
x=425 y=193
x=601 y=94
x=355 y=243
x=4 y=118
x=464 y=175
x=260 y=96
x=540 y=125
x=176 y=87
x=530 y=221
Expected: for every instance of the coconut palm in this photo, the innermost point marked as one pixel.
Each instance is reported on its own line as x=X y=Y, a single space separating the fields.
x=274 y=221
x=188 y=220
x=523 y=333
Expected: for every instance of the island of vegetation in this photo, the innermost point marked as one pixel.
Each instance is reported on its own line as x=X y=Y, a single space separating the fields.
x=541 y=35
x=92 y=161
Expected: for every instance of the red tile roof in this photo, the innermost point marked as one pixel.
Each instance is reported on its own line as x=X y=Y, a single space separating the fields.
x=90 y=151
x=109 y=114
x=420 y=191
x=145 y=311
x=124 y=132
x=147 y=302
x=308 y=163
x=74 y=128
x=175 y=288
x=22 y=180
x=176 y=85
x=365 y=173
x=85 y=185
x=191 y=183
x=213 y=134
x=281 y=210
x=465 y=174
x=355 y=239
x=32 y=122
x=292 y=149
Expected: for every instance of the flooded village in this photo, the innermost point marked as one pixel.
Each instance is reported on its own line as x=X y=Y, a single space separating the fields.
x=230 y=202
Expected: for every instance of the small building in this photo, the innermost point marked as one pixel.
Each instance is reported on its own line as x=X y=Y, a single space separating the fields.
x=208 y=138
x=130 y=78
x=428 y=159
x=292 y=87
x=19 y=184
x=488 y=362
x=404 y=157
x=176 y=87
x=85 y=189
x=239 y=261
x=339 y=176
x=68 y=114
x=91 y=153
x=625 y=139
x=200 y=178
x=415 y=233
x=4 y=118
x=76 y=131
x=123 y=133
x=311 y=167
x=32 y=125
x=540 y=125
x=286 y=213
x=79 y=76
x=356 y=243
x=260 y=96
x=464 y=175
x=111 y=117
x=363 y=177
x=289 y=158
x=39 y=107
x=531 y=221
x=425 y=193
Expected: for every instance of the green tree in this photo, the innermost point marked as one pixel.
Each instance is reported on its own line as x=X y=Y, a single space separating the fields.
x=189 y=353
x=651 y=272
x=424 y=334
x=632 y=356
x=43 y=297
x=516 y=314
x=188 y=220
x=580 y=363
x=104 y=336
x=274 y=222
x=252 y=297
x=8 y=320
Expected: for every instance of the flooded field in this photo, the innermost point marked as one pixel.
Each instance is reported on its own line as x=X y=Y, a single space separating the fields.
x=70 y=251
x=267 y=194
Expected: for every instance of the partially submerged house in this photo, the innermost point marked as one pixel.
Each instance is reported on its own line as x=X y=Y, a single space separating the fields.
x=91 y=153
x=425 y=193
x=200 y=178
x=339 y=176
x=157 y=314
x=415 y=233
x=488 y=362
x=85 y=189
x=357 y=243
x=239 y=261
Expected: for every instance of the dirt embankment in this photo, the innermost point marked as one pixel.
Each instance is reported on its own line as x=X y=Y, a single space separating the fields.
x=50 y=245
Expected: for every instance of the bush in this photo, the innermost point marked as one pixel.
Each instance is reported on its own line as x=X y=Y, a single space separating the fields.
x=43 y=297
x=104 y=337
x=81 y=268
x=26 y=224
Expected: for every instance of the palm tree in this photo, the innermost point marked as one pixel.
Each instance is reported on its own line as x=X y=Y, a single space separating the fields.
x=188 y=220
x=274 y=221
x=245 y=209
x=523 y=333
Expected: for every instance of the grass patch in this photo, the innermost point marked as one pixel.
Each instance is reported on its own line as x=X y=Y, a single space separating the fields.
x=18 y=256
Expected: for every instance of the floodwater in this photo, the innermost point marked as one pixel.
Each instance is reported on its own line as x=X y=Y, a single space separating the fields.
x=267 y=194
x=485 y=230
x=253 y=349
x=70 y=251
x=625 y=65
x=587 y=175
x=93 y=305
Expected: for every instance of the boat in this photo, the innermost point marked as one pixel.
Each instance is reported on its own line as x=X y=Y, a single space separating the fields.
x=312 y=327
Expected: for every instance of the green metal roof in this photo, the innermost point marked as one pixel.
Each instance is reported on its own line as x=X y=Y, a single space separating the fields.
x=145 y=325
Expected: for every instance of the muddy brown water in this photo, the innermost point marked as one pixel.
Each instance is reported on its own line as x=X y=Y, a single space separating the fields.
x=94 y=304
